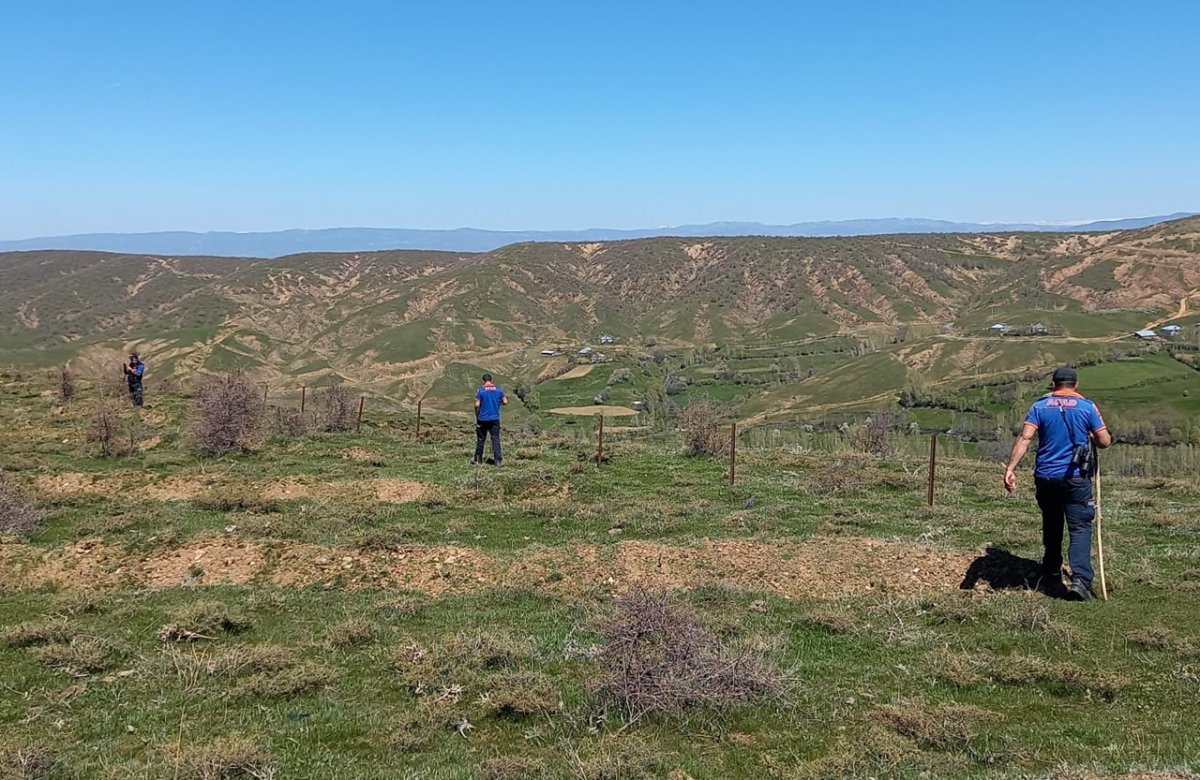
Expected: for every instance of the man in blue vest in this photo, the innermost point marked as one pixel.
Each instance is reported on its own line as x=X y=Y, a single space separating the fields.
x=1067 y=426
x=488 y=401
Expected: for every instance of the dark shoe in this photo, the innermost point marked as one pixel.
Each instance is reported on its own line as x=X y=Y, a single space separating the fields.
x=1077 y=591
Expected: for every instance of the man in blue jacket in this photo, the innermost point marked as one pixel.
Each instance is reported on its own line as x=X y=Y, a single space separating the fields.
x=488 y=401
x=135 y=369
x=1067 y=425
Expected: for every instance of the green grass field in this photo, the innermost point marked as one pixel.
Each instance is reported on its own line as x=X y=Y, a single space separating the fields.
x=363 y=605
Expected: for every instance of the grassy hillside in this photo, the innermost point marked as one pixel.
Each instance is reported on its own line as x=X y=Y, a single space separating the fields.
x=392 y=322
x=366 y=605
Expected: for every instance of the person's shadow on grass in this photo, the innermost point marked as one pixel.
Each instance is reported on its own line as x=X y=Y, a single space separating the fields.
x=1001 y=570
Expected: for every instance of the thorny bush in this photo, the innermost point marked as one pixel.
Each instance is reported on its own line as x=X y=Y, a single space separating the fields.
x=18 y=515
x=657 y=658
x=226 y=415
x=703 y=432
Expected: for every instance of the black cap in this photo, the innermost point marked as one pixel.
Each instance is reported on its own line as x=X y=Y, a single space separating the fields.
x=1065 y=376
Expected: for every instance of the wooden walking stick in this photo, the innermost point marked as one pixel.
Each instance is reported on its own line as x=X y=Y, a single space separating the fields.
x=1100 y=534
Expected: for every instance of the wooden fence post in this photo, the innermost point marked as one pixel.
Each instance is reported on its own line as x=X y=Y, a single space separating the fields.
x=418 y=421
x=733 y=452
x=358 y=425
x=600 y=443
x=303 y=395
x=932 y=466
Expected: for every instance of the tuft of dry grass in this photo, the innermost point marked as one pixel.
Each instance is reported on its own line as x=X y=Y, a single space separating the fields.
x=411 y=731
x=1159 y=637
x=878 y=751
x=618 y=758
x=521 y=694
x=26 y=760
x=250 y=659
x=287 y=682
x=350 y=633
x=944 y=727
x=1062 y=677
x=832 y=620
x=82 y=656
x=512 y=768
x=227 y=758
x=203 y=620
x=38 y=632
x=460 y=658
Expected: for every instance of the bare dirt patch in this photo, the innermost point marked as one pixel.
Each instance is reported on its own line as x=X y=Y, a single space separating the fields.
x=589 y=411
x=70 y=483
x=578 y=372
x=211 y=561
x=287 y=489
x=177 y=488
x=397 y=491
x=823 y=567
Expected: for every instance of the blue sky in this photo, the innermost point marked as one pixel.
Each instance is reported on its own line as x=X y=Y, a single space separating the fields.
x=138 y=116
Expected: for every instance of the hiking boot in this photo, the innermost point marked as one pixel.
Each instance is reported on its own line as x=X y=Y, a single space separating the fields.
x=1078 y=591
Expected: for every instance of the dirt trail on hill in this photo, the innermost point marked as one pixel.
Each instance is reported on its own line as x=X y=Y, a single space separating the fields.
x=822 y=567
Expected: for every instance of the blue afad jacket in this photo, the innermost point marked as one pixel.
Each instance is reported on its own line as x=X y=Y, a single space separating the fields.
x=490 y=398
x=1064 y=420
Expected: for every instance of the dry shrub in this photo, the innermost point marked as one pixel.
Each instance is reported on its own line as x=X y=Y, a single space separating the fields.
x=285 y=683
x=37 y=632
x=25 y=760
x=66 y=383
x=82 y=656
x=337 y=409
x=290 y=422
x=350 y=632
x=18 y=515
x=877 y=435
x=109 y=429
x=704 y=433
x=202 y=620
x=227 y=758
x=226 y=415
x=946 y=727
x=656 y=657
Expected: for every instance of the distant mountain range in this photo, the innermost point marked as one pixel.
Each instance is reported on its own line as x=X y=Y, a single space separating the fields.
x=286 y=242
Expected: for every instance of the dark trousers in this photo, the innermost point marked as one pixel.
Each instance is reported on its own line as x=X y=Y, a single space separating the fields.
x=484 y=428
x=135 y=393
x=1069 y=501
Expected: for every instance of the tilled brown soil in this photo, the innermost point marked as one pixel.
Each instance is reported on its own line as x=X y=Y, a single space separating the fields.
x=822 y=567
